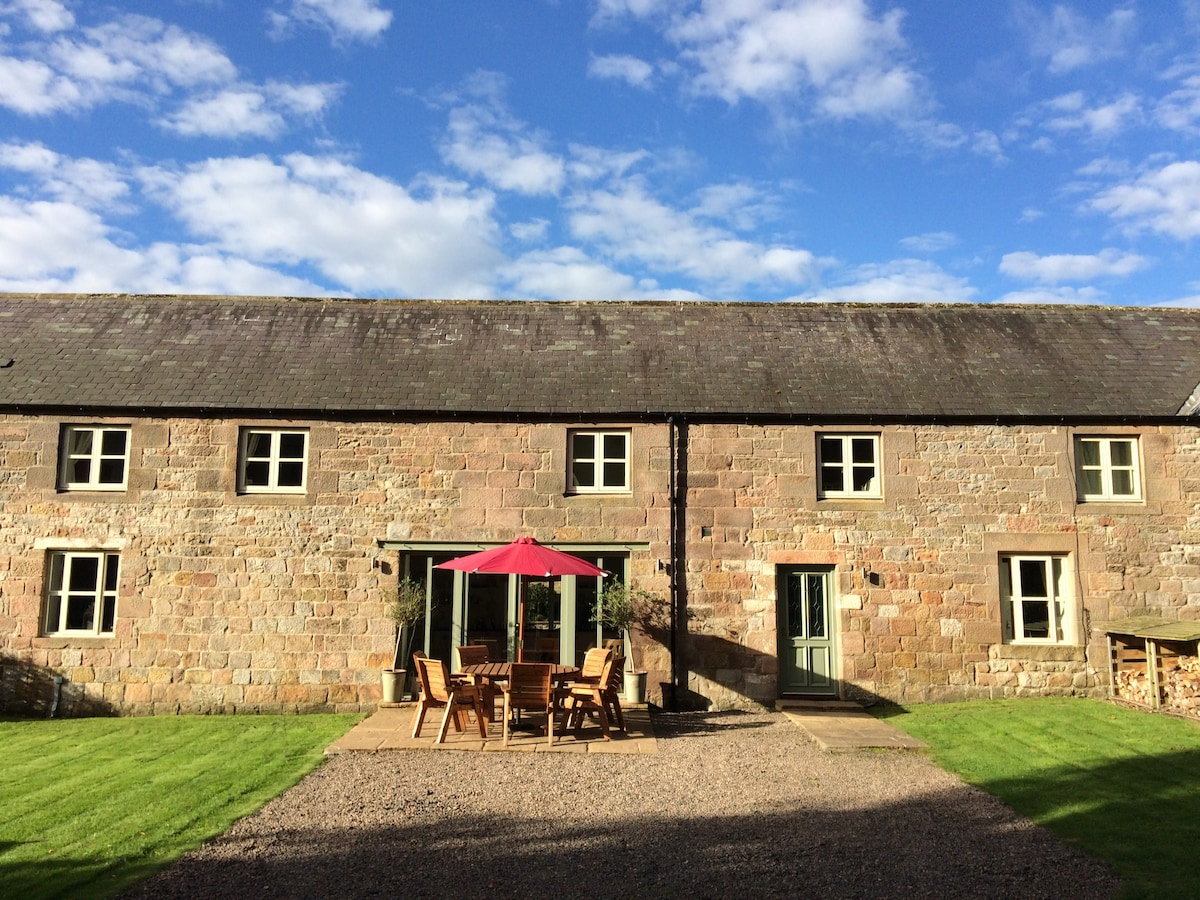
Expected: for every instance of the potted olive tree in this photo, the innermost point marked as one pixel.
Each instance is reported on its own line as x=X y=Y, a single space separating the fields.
x=406 y=608
x=624 y=609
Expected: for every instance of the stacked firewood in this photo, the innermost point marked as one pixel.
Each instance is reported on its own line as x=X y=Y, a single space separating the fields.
x=1181 y=685
x=1133 y=685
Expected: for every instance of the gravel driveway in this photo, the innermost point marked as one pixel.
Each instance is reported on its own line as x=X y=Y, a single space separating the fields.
x=733 y=804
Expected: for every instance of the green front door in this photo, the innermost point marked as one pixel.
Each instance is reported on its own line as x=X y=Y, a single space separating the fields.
x=806 y=648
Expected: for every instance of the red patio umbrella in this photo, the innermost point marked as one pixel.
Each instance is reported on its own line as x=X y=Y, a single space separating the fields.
x=524 y=557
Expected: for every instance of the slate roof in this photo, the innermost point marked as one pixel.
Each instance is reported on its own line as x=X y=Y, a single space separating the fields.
x=601 y=360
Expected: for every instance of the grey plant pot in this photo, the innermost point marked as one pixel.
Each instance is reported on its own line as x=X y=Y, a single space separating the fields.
x=635 y=687
x=393 y=684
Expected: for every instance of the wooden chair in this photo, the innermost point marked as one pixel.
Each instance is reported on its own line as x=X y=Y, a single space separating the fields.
x=529 y=687
x=475 y=654
x=611 y=695
x=587 y=698
x=440 y=691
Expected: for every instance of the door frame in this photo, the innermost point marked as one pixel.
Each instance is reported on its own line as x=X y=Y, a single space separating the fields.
x=832 y=618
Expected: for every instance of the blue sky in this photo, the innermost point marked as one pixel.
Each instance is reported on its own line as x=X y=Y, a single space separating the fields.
x=779 y=150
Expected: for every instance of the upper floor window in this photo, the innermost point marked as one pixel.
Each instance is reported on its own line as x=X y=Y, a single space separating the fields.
x=94 y=458
x=273 y=460
x=599 y=461
x=848 y=465
x=1036 y=600
x=1107 y=468
x=81 y=593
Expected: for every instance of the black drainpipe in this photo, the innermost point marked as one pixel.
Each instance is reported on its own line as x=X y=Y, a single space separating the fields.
x=678 y=487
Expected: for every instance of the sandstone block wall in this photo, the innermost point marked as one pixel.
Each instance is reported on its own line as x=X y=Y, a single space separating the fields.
x=235 y=602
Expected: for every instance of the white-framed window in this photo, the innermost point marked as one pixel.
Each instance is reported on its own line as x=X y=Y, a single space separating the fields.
x=81 y=593
x=848 y=465
x=1036 y=600
x=273 y=460
x=599 y=462
x=1107 y=468
x=94 y=458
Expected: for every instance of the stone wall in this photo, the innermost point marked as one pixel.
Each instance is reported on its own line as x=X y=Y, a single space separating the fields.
x=231 y=602
x=917 y=572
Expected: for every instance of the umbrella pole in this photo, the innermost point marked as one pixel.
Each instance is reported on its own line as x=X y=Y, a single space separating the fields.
x=520 y=618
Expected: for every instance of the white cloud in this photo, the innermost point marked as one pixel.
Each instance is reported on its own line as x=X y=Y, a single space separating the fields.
x=33 y=88
x=44 y=15
x=629 y=224
x=345 y=20
x=1180 y=109
x=1069 y=41
x=834 y=50
x=61 y=247
x=1044 y=295
x=566 y=273
x=1108 y=263
x=930 y=242
x=249 y=110
x=81 y=182
x=485 y=142
x=1165 y=200
x=1070 y=112
x=629 y=69
x=899 y=281
x=363 y=232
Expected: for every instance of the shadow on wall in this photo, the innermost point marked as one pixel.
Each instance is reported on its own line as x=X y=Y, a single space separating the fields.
x=35 y=692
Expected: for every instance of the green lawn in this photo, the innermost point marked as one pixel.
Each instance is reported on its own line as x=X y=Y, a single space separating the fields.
x=1121 y=784
x=88 y=806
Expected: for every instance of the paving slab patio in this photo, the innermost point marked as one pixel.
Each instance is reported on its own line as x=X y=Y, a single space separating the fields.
x=390 y=728
x=846 y=726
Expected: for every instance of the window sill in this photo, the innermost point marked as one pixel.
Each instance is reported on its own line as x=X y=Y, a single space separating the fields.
x=60 y=642
x=1042 y=652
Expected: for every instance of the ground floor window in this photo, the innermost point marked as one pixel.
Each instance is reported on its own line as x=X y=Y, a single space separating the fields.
x=561 y=623
x=1036 y=600
x=81 y=593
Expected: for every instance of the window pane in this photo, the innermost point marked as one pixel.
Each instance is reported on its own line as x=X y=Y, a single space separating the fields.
x=584 y=446
x=110 y=572
x=56 y=571
x=109 y=614
x=113 y=443
x=1090 y=482
x=291 y=446
x=795 y=590
x=816 y=606
x=831 y=479
x=81 y=471
x=1032 y=575
x=81 y=612
x=258 y=444
x=1036 y=615
x=614 y=446
x=80 y=441
x=614 y=474
x=291 y=474
x=584 y=474
x=112 y=471
x=831 y=450
x=864 y=479
x=1089 y=453
x=863 y=450
x=85 y=573
x=53 y=611
x=257 y=473
x=1122 y=483
x=1121 y=453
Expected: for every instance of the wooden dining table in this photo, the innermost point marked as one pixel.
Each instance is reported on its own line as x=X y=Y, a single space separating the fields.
x=499 y=671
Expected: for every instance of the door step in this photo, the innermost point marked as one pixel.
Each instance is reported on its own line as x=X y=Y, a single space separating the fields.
x=787 y=703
